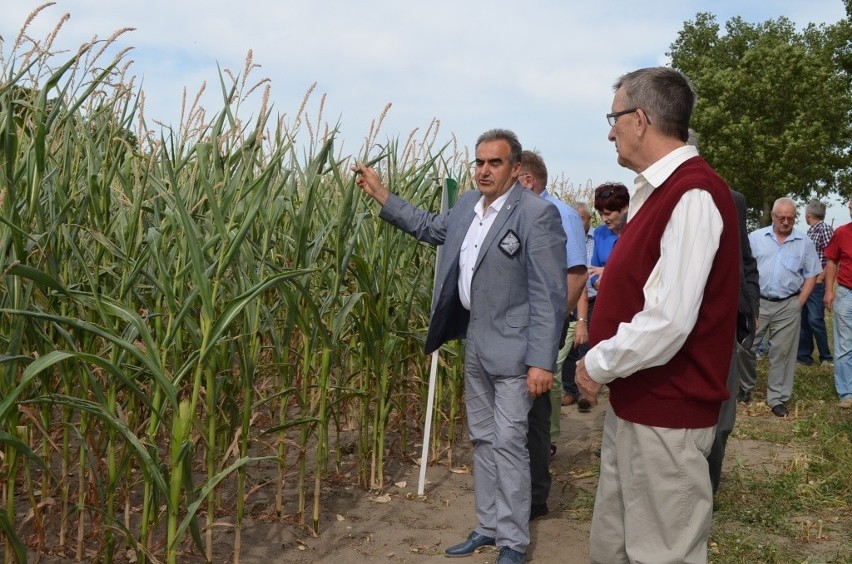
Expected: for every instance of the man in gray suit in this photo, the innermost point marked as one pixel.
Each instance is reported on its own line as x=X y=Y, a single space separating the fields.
x=501 y=285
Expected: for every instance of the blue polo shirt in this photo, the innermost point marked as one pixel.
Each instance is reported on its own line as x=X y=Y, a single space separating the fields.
x=783 y=267
x=605 y=239
x=575 y=249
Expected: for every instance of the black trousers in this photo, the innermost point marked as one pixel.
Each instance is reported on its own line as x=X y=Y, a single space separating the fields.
x=538 y=444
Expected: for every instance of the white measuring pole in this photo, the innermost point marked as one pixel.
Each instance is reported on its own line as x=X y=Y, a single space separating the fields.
x=433 y=371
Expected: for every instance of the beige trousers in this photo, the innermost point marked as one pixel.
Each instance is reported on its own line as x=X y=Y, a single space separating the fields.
x=654 y=502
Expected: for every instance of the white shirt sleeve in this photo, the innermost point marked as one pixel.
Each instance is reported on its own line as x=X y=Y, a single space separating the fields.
x=673 y=294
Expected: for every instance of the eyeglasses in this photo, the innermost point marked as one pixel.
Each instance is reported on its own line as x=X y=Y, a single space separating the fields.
x=785 y=218
x=613 y=117
x=605 y=194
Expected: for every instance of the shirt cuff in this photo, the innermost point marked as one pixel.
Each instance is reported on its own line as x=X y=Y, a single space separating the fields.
x=592 y=361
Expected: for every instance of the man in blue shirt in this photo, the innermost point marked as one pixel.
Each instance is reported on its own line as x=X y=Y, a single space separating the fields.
x=544 y=415
x=580 y=326
x=788 y=265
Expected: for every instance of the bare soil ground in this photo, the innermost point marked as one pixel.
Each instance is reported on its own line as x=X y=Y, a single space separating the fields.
x=397 y=525
x=400 y=526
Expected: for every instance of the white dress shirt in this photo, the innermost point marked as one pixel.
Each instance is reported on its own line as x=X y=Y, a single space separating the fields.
x=476 y=233
x=675 y=288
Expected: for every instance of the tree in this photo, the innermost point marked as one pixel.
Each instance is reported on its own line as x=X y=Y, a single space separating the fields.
x=774 y=104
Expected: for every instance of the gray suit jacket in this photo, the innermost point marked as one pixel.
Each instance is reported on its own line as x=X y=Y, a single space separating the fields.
x=518 y=293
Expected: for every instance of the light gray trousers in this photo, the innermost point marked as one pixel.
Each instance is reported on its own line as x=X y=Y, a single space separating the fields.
x=497 y=410
x=780 y=323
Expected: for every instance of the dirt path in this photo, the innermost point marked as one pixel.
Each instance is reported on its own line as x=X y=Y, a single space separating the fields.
x=400 y=527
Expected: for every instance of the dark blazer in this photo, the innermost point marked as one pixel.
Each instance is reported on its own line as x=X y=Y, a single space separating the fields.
x=518 y=292
x=749 y=302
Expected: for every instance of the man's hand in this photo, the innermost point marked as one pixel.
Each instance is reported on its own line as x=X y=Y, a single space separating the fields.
x=367 y=179
x=828 y=299
x=581 y=333
x=596 y=271
x=539 y=381
x=587 y=387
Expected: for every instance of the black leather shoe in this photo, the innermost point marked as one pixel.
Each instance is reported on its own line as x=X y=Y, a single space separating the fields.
x=538 y=510
x=744 y=397
x=468 y=547
x=779 y=410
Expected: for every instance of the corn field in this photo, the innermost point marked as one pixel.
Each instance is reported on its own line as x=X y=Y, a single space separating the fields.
x=180 y=307
x=178 y=310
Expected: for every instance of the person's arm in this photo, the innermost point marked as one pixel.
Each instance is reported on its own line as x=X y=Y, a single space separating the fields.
x=830 y=278
x=547 y=288
x=807 y=288
x=581 y=326
x=655 y=334
x=576 y=282
x=575 y=246
x=812 y=268
x=595 y=264
x=595 y=273
x=421 y=224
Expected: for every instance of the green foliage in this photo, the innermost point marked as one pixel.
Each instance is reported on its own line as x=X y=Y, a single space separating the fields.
x=788 y=500
x=773 y=105
x=178 y=307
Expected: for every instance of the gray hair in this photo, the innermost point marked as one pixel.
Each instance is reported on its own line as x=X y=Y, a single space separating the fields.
x=509 y=137
x=582 y=206
x=783 y=201
x=816 y=209
x=665 y=95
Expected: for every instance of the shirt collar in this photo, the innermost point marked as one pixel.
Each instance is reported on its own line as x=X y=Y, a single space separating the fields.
x=659 y=172
x=795 y=234
x=496 y=205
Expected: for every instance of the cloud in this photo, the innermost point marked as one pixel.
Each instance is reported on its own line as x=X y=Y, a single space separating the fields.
x=544 y=68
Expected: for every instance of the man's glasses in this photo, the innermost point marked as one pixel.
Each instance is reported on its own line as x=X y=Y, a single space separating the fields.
x=785 y=218
x=605 y=194
x=613 y=117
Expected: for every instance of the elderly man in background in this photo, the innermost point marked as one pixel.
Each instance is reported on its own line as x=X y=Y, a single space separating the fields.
x=813 y=313
x=788 y=266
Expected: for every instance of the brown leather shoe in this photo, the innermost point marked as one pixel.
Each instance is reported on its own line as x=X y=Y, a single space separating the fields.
x=584 y=405
x=568 y=400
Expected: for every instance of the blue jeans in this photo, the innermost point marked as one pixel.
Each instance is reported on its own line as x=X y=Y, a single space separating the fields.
x=843 y=342
x=813 y=328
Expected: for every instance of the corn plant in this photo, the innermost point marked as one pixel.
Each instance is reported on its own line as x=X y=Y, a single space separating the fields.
x=179 y=305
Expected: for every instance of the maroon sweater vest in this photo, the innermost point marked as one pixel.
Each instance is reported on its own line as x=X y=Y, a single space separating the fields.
x=687 y=391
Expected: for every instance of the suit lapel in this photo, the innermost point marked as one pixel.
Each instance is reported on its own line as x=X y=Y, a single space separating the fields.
x=455 y=238
x=507 y=210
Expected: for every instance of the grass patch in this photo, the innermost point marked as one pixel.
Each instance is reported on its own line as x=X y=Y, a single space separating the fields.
x=787 y=485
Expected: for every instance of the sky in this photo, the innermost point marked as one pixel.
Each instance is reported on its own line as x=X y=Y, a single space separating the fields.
x=543 y=68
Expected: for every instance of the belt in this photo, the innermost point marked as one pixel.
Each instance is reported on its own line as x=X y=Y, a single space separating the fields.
x=768 y=299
